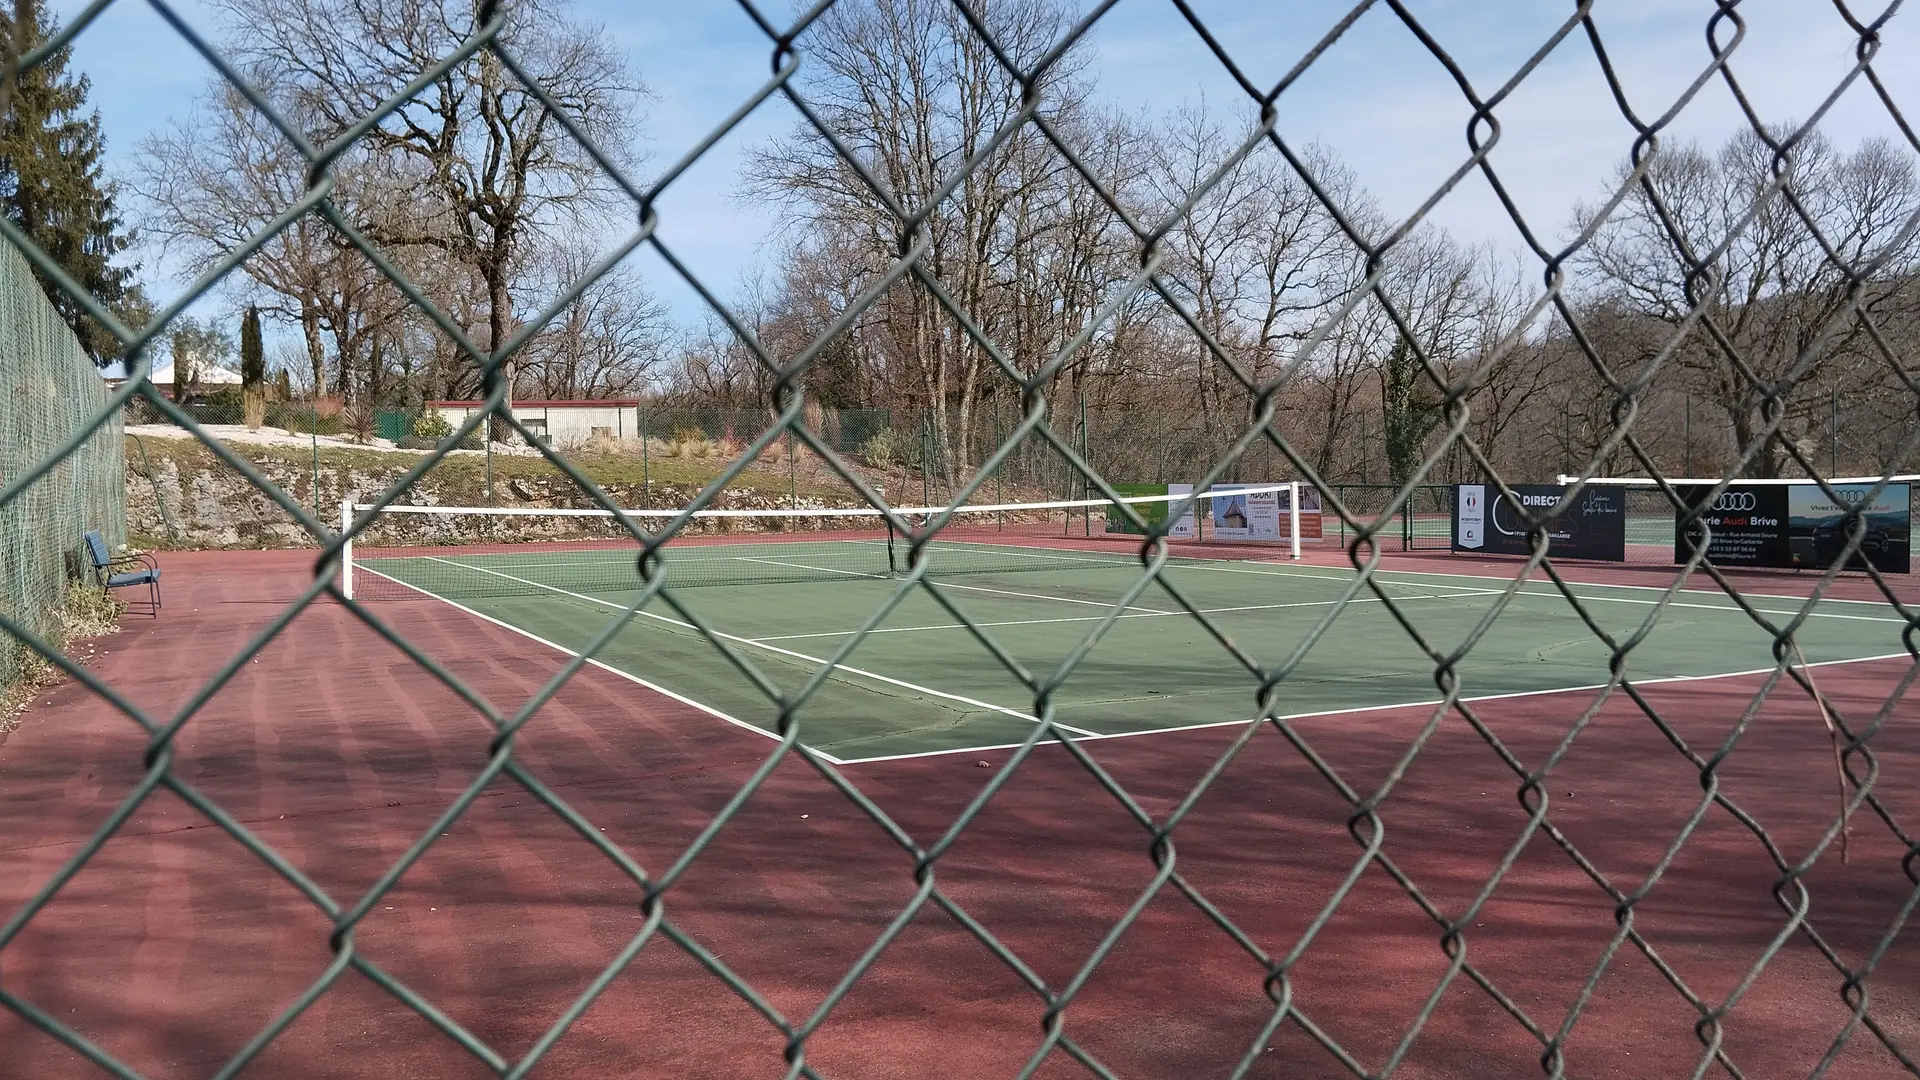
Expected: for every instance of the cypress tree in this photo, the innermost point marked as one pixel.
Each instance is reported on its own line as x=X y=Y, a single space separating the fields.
x=253 y=369
x=53 y=185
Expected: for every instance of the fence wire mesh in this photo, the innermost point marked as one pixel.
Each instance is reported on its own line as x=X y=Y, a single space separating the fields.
x=53 y=418
x=57 y=469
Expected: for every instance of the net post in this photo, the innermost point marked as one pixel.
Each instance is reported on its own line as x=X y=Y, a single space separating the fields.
x=1293 y=519
x=346 y=549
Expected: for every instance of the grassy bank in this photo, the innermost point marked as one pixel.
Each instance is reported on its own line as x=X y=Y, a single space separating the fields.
x=182 y=495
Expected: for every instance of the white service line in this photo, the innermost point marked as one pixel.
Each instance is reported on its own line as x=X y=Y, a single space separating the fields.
x=1555 y=593
x=815 y=569
x=1497 y=577
x=1423 y=704
x=875 y=676
x=627 y=675
x=1138 y=615
x=944 y=584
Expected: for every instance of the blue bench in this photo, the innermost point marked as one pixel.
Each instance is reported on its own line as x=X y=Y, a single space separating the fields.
x=106 y=571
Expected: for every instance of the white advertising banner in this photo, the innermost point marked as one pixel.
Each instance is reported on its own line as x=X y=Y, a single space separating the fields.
x=1183 y=529
x=1471 y=516
x=1254 y=516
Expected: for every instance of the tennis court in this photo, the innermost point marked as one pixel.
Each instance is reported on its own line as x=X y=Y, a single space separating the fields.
x=920 y=681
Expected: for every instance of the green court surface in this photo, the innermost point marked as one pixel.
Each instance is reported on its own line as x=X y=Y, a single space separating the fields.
x=921 y=682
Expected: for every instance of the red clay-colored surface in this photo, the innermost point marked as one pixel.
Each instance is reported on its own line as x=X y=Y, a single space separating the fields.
x=174 y=945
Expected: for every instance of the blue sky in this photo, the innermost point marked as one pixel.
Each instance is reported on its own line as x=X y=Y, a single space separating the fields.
x=1378 y=98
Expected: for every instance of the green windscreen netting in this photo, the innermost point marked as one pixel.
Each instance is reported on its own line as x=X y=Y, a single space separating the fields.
x=50 y=395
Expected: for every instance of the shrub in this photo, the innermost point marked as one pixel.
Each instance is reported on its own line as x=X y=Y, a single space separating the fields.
x=432 y=424
x=300 y=418
x=882 y=449
x=603 y=445
x=224 y=406
x=359 y=421
x=689 y=442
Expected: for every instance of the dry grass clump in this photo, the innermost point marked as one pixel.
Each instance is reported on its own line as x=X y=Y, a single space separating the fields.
x=86 y=613
x=690 y=443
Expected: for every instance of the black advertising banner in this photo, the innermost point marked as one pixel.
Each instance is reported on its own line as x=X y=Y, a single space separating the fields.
x=1796 y=527
x=1593 y=527
x=1749 y=525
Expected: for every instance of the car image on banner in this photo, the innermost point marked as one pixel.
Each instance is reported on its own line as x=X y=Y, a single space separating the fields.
x=1818 y=531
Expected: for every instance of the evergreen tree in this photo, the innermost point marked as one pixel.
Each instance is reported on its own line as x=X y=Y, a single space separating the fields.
x=53 y=186
x=253 y=369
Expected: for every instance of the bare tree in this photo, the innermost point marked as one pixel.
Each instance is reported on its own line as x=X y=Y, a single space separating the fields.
x=606 y=343
x=490 y=158
x=1777 y=311
x=214 y=181
x=1436 y=288
x=915 y=93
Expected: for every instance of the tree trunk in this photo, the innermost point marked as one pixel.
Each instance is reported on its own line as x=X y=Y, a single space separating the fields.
x=316 y=352
x=499 y=320
x=1405 y=415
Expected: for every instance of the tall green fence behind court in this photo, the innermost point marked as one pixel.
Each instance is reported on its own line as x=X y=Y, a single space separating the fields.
x=51 y=391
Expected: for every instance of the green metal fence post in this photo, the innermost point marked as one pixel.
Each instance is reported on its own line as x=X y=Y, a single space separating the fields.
x=1688 y=468
x=999 y=498
x=313 y=437
x=1086 y=455
x=1833 y=429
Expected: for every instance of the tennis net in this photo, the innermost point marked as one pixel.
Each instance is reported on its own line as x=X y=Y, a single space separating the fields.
x=463 y=552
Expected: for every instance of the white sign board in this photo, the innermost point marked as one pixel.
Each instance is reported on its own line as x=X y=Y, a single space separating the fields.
x=1471 y=516
x=1183 y=528
x=1254 y=516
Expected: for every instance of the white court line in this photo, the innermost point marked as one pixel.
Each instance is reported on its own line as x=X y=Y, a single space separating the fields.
x=1145 y=614
x=1728 y=606
x=875 y=676
x=1497 y=577
x=944 y=584
x=627 y=675
x=1089 y=736
x=815 y=569
x=1425 y=704
x=1205 y=563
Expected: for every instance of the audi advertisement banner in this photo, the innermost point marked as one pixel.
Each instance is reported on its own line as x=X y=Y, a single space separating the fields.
x=1796 y=527
x=1487 y=522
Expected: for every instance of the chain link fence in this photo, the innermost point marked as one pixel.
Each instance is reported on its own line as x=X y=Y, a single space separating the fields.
x=61 y=467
